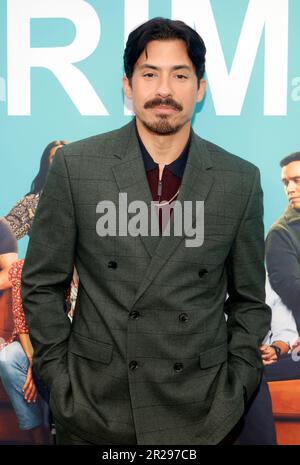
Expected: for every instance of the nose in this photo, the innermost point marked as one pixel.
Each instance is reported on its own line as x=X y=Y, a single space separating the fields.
x=290 y=187
x=164 y=87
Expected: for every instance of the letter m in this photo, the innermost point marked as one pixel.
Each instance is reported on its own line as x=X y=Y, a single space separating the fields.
x=229 y=89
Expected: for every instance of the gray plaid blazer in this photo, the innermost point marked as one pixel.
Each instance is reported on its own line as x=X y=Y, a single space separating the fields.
x=150 y=356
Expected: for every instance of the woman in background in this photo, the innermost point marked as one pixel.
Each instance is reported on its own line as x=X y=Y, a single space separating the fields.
x=8 y=255
x=15 y=347
x=21 y=215
x=20 y=219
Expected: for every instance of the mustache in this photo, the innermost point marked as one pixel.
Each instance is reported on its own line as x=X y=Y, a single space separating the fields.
x=167 y=101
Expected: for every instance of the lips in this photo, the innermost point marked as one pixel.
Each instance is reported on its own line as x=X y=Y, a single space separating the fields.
x=165 y=107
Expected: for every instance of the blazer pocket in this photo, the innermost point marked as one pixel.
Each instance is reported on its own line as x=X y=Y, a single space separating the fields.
x=213 y=356
x=91 y=349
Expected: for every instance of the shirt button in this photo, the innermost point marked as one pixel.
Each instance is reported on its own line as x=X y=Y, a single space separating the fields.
x=202 y=272
x=183 y=317
x=112 y=264
x=133 y=364
x=134 y=315
x=178 y=367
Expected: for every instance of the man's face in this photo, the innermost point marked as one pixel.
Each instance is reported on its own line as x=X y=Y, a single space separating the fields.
x=164 y=87
x=291 y=179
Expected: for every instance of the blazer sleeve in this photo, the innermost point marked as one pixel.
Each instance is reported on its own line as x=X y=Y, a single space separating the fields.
x=48 y=270
x=249 y=316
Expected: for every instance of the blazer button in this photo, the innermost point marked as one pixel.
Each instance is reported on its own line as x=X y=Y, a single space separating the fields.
x=133 y=364
x=183 y=317
x=112 y=264
x=202 y=272
x=178 y=367
x=134 y=315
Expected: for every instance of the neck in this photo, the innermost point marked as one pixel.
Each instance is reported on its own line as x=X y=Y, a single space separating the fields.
x=164 y=149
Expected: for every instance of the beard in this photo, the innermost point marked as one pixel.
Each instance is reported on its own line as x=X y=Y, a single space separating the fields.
x=162 y=126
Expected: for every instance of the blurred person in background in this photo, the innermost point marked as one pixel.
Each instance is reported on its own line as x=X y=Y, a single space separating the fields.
x=277 y=350
x=283 y=240
x=8 y=255
x=21 y=215
x=15 y=347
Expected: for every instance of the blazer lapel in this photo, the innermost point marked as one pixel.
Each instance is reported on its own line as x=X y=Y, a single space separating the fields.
x=196 y=183
x=131 y=177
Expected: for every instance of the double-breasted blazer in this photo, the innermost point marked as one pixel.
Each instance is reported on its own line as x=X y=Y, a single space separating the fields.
x=164 y=343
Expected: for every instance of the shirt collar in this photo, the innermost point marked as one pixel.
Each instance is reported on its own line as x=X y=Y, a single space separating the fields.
x=176 y=167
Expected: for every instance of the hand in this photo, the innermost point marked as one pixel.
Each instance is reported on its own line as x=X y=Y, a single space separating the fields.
x=29 y=388
x=295 y=349
x=296 y=345
x=268 y=355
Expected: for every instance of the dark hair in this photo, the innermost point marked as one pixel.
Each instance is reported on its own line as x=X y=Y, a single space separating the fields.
x=39 y=181
x=164 y=29
x=292 y=157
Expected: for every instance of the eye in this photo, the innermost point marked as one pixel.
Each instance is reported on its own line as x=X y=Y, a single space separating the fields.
x=149 y=75
x=181 y=77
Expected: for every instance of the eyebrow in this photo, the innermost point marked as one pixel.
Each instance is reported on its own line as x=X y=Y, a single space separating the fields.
x=157 y=68
x=293 y=178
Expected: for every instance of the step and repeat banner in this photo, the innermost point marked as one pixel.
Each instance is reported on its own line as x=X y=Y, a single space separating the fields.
x=61 y=68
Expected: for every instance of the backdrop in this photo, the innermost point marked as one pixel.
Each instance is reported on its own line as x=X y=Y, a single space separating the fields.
x=61 y=69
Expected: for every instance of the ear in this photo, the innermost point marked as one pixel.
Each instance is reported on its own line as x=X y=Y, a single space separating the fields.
x=127 y=87
x=201 y=90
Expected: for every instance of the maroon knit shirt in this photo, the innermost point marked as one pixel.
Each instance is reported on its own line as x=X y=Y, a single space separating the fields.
x=170 y=182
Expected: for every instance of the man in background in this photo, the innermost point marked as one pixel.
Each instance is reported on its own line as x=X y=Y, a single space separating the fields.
x=283 y=240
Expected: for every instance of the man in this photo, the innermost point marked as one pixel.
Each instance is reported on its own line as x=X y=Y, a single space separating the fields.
x=279 y=359
x=149 y=358
x=283 y=240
